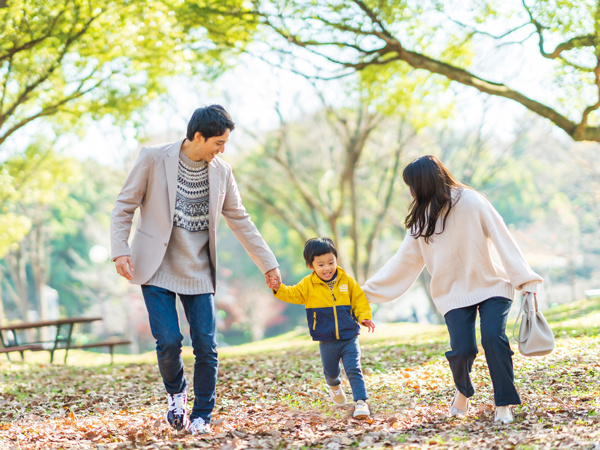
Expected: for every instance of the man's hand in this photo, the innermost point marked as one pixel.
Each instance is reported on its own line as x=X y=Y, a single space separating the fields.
x=124 y=267
x=369 y=324
x=273 y=278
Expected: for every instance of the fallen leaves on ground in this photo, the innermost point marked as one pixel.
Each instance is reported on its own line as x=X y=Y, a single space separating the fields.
x=278 y=400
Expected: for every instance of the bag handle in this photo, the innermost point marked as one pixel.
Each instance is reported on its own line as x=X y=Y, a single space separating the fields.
x=533 y=310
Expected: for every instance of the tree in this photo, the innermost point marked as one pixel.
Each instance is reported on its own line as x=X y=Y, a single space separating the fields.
x=448 y=40
x=333 y=174
x=70 y=59
x=42 y=178
x=64 y=61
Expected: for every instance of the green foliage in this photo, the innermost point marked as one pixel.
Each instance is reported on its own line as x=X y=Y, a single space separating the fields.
x=13 y=226
x=395 y=90
x=71 y=59
x=66 y=201
x=84 y=218
x=41 y=176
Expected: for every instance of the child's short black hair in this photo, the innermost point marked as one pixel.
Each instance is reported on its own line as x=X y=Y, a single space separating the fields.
x=316 y=247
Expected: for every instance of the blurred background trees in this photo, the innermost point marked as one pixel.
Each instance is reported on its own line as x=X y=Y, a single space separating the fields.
x=373 y=86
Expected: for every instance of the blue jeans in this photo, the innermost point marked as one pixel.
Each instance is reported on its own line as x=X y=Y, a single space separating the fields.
x=164 y=323
x=348 y=350
x=493 y=313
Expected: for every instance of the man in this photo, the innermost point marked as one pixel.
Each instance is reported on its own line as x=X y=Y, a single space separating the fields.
x=181 y=190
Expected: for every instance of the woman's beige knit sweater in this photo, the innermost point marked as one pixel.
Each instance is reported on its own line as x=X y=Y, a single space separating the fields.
x=459 y=259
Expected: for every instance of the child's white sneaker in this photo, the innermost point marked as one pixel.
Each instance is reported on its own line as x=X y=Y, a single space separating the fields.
x=337 y=395
x=503 y=414
x=361 y=410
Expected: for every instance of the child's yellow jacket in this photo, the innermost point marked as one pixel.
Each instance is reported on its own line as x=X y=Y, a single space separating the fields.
x=330 y=314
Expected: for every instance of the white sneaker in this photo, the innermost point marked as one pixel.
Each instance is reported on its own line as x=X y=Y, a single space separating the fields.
x=503 y=414
x=361 y=410
x=199 y=426
x=337 y=395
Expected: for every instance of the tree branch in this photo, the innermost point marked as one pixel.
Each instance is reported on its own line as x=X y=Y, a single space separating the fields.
x=270 y=205
x=419 y=61
x=584 y=118
x=393 y=50
x=51 y=68
x=30 y=44
x=49 y=110
x=575 y=42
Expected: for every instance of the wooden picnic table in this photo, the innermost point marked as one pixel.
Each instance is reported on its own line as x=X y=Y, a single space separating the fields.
x=62 y=340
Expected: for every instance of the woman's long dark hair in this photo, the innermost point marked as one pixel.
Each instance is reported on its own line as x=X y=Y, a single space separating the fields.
x=431 y=186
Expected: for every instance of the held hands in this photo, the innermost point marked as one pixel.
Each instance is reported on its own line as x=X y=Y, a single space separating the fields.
x=369 y=324
x=274 y=284
x=273 y=279
x=124 y=267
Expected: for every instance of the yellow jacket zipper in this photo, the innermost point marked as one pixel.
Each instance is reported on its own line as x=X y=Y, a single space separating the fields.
x=337 y=331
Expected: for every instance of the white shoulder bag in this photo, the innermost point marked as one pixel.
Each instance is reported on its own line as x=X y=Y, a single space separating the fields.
x=535 y=336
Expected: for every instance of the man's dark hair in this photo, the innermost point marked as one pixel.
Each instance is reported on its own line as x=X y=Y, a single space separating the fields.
x=209 y=121
x=316 y=247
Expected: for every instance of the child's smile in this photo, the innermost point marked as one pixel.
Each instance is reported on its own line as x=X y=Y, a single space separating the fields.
x=325 y=266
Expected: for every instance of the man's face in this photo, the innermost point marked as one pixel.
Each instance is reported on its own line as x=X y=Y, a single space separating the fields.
x=211 y=147
x=324 y=266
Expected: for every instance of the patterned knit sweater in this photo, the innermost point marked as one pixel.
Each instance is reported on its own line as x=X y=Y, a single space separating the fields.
x=459 y=259
x=185 y=268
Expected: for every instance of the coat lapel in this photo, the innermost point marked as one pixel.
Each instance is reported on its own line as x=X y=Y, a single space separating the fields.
x=171 y=167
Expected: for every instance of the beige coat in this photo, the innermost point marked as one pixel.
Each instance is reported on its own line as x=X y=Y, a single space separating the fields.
x=151 y=186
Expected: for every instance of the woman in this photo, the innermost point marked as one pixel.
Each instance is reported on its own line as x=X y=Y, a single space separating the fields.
x=450 y=229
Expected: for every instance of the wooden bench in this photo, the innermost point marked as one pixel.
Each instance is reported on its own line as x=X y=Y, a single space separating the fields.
x=109 y=343
x=21 y=348
x=62 y=341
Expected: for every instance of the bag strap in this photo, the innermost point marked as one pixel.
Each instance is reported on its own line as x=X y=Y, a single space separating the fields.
x=525 y=299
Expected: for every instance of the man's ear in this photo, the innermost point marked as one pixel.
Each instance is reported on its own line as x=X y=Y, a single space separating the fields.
x=198 y=136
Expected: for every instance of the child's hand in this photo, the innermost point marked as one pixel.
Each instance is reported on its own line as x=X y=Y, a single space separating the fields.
x=273 y=283
x=369 y=324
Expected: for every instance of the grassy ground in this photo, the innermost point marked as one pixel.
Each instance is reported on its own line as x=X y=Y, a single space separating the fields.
x=271 y=394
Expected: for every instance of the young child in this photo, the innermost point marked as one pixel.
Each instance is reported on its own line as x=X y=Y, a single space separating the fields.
x=335 y=305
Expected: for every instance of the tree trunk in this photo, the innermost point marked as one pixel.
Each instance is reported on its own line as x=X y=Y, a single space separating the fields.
x=354 y=227
x=18 y=274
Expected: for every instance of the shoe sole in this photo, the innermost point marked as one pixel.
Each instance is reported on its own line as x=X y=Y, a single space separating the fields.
x=505 y=421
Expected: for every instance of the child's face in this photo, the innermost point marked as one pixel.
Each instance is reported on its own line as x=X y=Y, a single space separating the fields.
x=324 y=266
